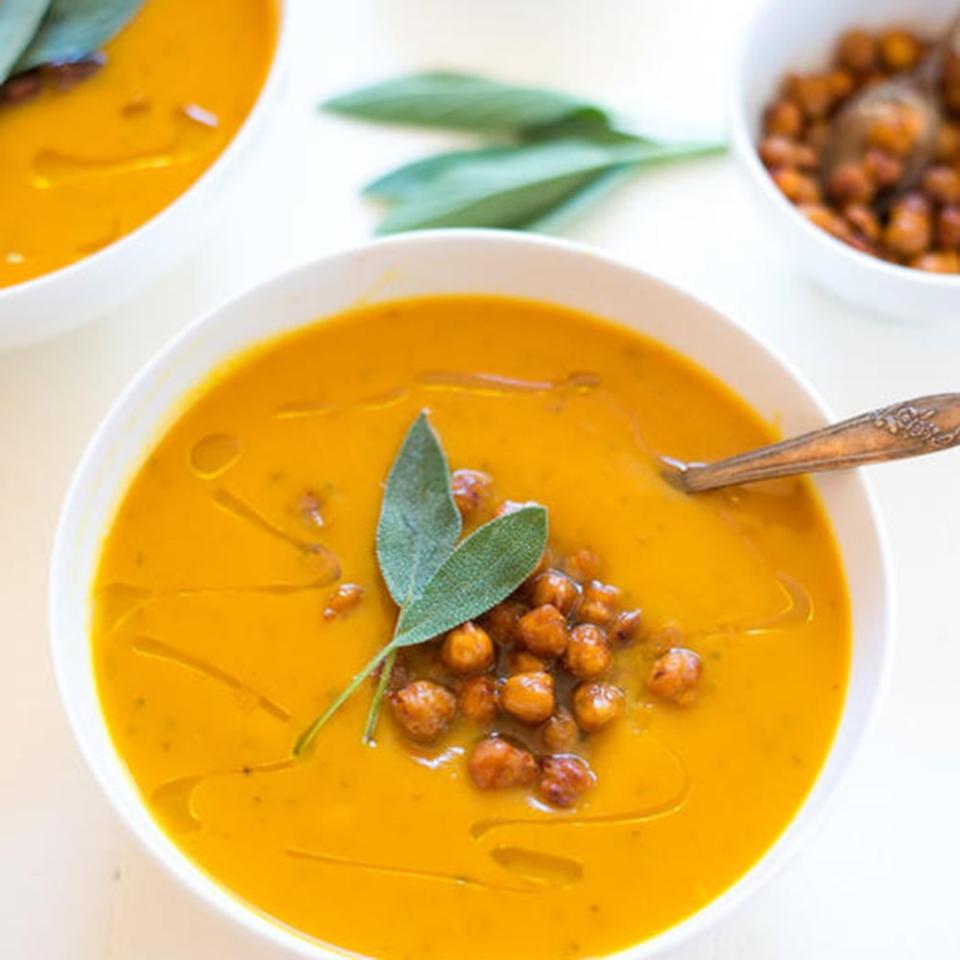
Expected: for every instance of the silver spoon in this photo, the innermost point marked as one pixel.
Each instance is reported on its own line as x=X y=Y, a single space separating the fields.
x=916 y=91
x=906 y=429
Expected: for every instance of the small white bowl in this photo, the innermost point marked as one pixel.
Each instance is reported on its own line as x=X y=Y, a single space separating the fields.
x=84 y=290
x=469 y=261
x=787 y=35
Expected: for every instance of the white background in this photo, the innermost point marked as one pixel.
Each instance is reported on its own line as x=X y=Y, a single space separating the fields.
x=880 y=880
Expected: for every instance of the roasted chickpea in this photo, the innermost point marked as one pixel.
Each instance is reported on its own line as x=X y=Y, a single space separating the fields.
x=817 y=134
x=543 y=631
x=948 y=143
x=478 y=700
x=423 y=709
x=783 y=118
x=899 y=50
x=675 y=676
x=502 y=621
x=599 y=603
x=909 y=231
x=528 y=696
x=948 y=228
x=806 y=156
x=812 y=93
x=796 y=187
x=496 y=764
x=777 y=151
x=850 y=183
x=626 y=627
x=563 y=780
x=938 y=261
x=825 y=218
x=560 y=732
x=342 y=600
x=557 y=589
x=896 y=129
x=942 y=184
x=522 y=661
x=883 y=169
x=841 y=84
x=467 y=649
x=471 y=488
x=588 y=654
x=863 y=220
x=595 y=704
x=583 y=564
x=857 y=51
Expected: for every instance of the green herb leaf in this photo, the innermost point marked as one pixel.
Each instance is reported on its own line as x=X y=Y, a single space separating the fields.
x=593 y=191
x=19 y=21
x=419 y=522
x=414 y=176
x=73 y=29
x=515 y=187
x=459 y=102
x=484 y=569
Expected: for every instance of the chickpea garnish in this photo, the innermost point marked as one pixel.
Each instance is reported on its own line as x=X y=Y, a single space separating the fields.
x=675 y=676
x=596 y=704
x=560 y=732
x=479 y=700
x=563 y=780
x=528 y=696
x=467 y=649
x=471 y=488
x=497 y=764
x=557 y=589
x=423 y=709
x=543 y=631
x=342 y=600
x=599 y=603
x=588 y=655
x=502 y=621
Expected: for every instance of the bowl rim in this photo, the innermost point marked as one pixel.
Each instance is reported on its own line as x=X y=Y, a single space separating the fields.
x=745 y=149
x=119 y=248
x=209 y=891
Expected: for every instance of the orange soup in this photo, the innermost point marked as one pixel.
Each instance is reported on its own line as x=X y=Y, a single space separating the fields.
x=224 y=624
x=82 y=167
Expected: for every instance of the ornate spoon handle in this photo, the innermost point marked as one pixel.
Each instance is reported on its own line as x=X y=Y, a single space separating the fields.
x=906 y=429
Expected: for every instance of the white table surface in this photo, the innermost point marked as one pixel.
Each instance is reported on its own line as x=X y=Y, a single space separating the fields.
x=880 y=880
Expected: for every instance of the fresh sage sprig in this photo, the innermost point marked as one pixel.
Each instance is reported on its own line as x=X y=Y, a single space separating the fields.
x=37 y=32
x=436 y=581
x=555 y=154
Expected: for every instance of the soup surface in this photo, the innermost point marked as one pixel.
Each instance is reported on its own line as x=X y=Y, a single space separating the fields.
x=80 y=168
x=212 y=652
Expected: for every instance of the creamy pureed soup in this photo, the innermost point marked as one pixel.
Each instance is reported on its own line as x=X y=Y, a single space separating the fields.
x=82 y=167
x=213 y=651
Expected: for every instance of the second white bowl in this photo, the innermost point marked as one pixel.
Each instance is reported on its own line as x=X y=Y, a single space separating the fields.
x=787 y=35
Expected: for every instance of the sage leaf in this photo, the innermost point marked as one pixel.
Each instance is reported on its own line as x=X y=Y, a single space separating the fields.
x=512 y=189
x=593 y=191
x=73 y=29
x=418 y=174
x=484 y=569
x=459 y=101
x=419 y=521
x=19 y=21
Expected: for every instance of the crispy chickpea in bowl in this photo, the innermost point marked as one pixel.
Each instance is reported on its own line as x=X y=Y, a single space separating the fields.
x=879 y=244
x=863 y=202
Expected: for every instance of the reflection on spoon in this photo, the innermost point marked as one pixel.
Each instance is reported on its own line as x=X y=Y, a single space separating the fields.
x=151 y=647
